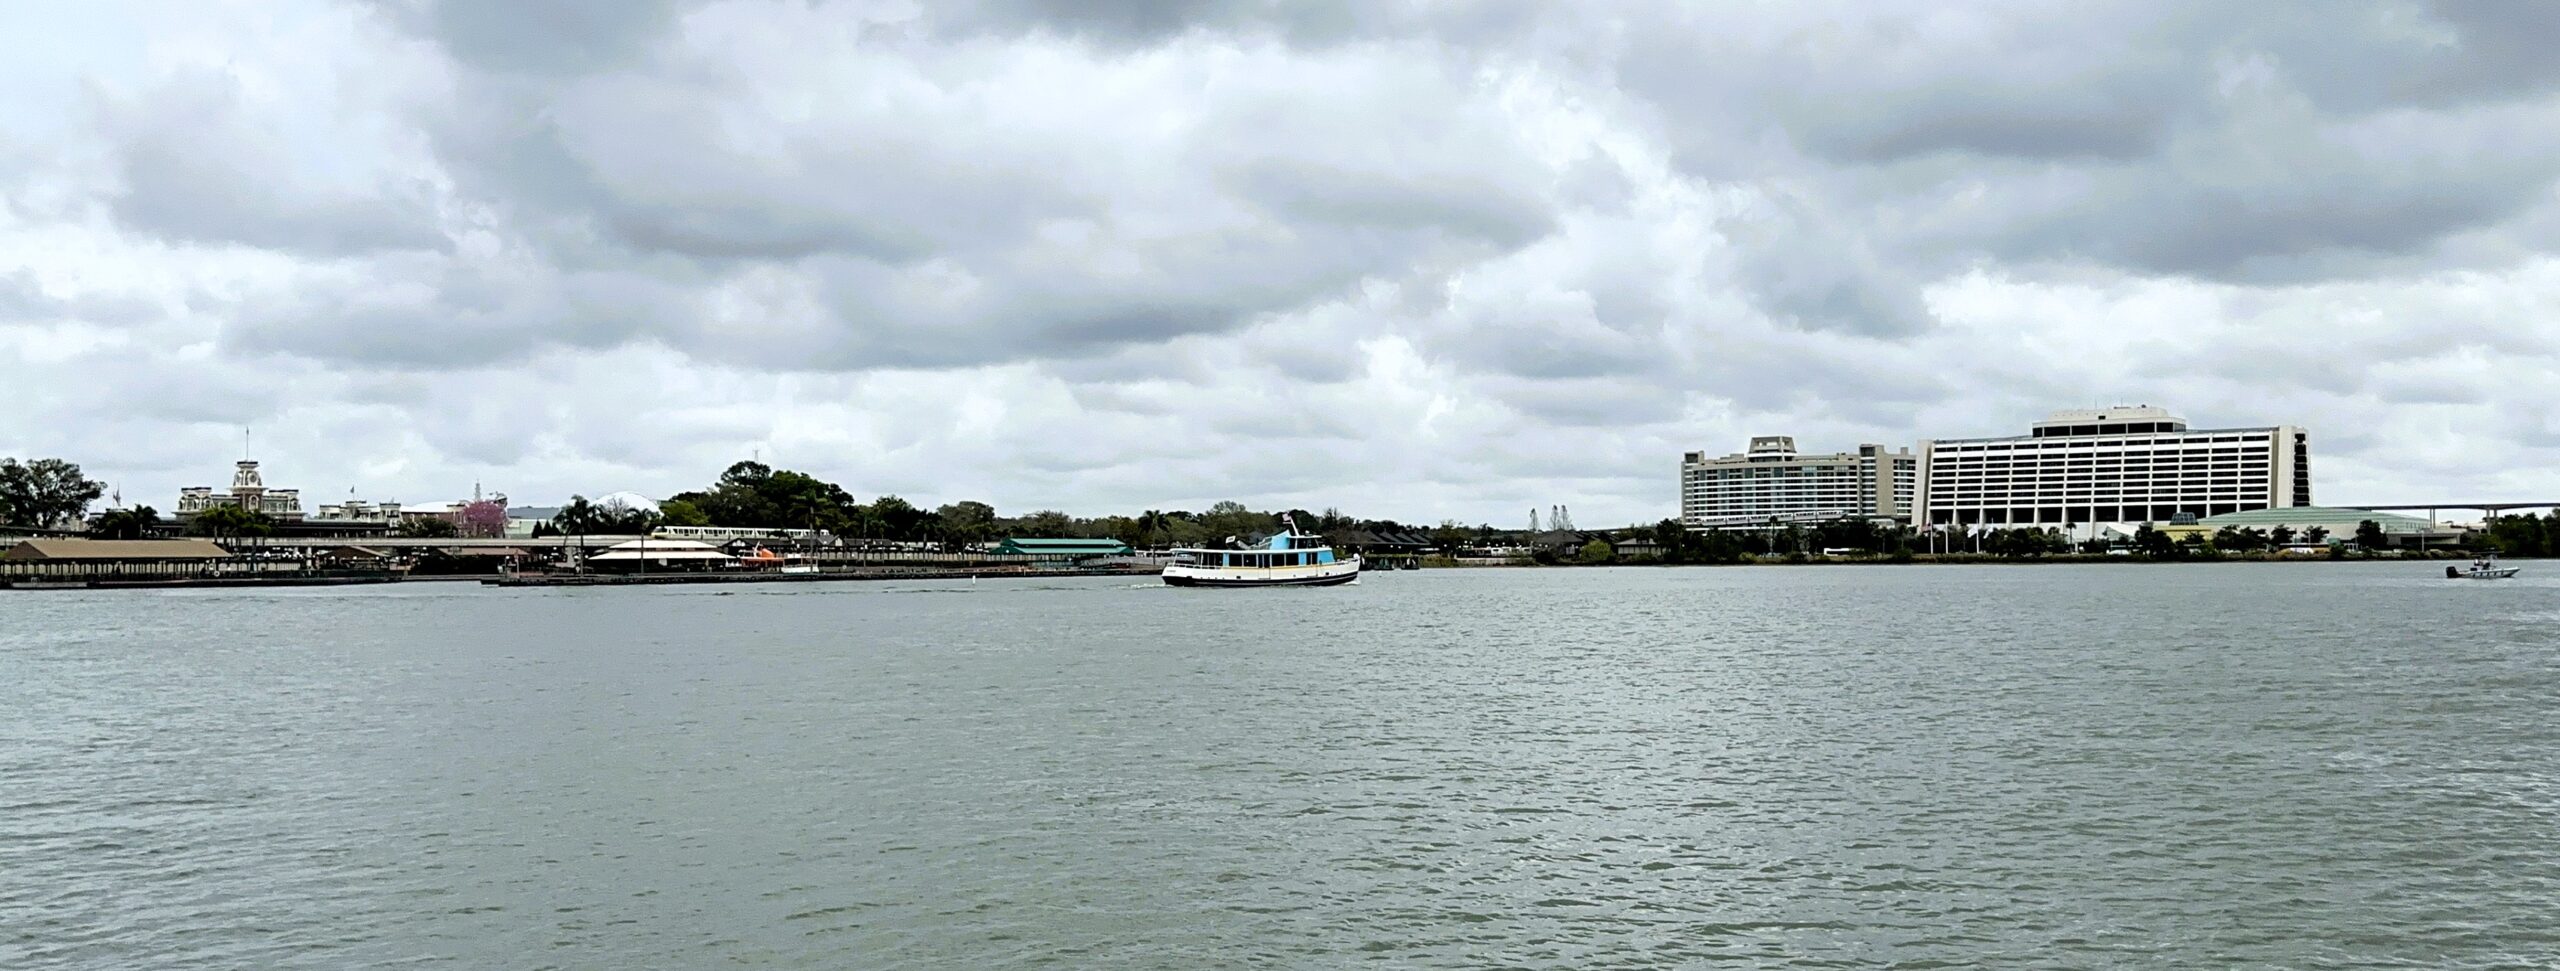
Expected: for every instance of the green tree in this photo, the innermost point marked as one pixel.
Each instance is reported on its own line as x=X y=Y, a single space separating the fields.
x=898 y=518
x=1675 y=539
x=225 y=521
x=614 y=518
x=2518 y=535
x=1152 y=524
x=678 y=512
x=967 y=521
x=1046 y=524
x=1231 y=518
x=1122 y=528
x=2154 y=543
x=1597 y=551
x=1446 y=537
x=2316 y=535
x=2239 y=539
x=1183 y=529
x=577 y=518
x=2281 y=536
x=135 y=523
x=756 y=495
x=429 y=527
x=2369 y=535
x=1849 y=532
x=44 y=493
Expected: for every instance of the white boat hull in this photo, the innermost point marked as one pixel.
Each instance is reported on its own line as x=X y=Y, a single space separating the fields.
x=1313 y=575
x=2493 y=573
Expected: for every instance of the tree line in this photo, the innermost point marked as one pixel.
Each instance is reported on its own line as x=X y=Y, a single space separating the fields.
x=753 y=495
x=1673 y=542
x=2524 y=534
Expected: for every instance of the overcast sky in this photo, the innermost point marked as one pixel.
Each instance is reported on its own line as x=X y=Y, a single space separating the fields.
x=1413 y=260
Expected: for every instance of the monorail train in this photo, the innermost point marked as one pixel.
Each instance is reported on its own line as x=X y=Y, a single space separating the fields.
x=724 y=534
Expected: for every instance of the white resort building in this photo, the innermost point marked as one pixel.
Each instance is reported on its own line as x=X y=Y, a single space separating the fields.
x=2130 y=464
x=359 y=511
x=1771 y=481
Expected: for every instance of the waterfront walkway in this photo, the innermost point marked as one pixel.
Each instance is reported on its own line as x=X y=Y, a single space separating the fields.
x=828 y=576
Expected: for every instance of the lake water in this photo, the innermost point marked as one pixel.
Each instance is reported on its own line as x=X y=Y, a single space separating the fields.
x=2278 y=765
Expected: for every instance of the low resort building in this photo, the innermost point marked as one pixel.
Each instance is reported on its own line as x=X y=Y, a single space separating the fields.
x=2337 y=524
x=1636 y=548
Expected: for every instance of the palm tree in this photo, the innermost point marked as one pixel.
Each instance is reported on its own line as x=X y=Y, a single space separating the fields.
x=577 y=518
x=1152 y=523
x=134 y=523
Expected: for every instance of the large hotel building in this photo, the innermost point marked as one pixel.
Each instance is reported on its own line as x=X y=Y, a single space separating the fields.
x=2119 y=465
x=2129 y=464
x=1771 y=481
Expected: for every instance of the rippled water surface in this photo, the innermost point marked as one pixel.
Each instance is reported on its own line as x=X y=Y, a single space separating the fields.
x=2306 y=765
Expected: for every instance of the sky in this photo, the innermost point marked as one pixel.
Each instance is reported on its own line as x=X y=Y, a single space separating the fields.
x=1410 y=260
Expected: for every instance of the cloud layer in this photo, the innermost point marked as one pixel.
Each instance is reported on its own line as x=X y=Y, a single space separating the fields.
x=1412 y=260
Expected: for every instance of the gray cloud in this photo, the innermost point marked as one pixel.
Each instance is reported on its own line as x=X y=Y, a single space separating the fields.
x=196 y=168
x=548 y=37
x=1108 y=256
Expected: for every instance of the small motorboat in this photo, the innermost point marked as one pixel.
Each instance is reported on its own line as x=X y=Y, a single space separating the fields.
x=2480 y=570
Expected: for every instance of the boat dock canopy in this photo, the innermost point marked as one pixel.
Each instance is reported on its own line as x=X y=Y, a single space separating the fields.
x=67 y=550
x=1020 y=546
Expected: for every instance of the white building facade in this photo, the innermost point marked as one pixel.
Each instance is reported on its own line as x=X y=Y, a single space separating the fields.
x=2130 y=464
x=1771 y=481
x=359 y=511
x=249 y=492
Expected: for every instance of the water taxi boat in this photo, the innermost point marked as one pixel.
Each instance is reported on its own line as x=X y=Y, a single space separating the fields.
x=1288 y=559
x=2480 y=570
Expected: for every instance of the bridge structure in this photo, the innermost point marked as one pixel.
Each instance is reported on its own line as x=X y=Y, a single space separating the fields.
x=247 y=543
x=2435 y=509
